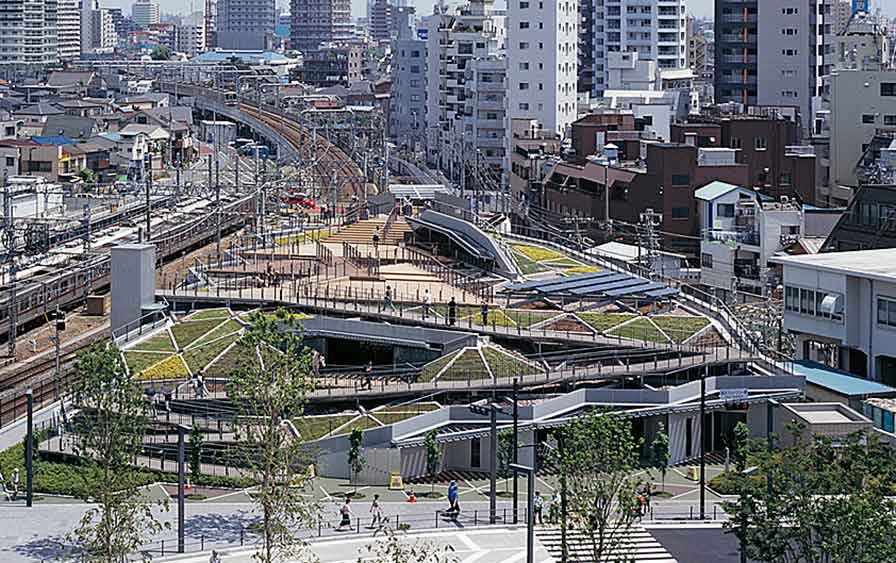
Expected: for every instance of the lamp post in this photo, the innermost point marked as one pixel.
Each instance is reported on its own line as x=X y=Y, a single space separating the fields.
x=530 y=504
x=611 y=152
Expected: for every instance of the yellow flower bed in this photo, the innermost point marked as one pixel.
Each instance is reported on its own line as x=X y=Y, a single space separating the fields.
x=538 y=253
x=581 y=270
x=302 y=237
x=172 y=367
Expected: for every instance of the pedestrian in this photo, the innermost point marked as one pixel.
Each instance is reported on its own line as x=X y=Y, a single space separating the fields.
x=427 y=303
x=15 y=483
x=484 y=312
x=387 y=299
x=214 y=558
x=368 y=376
x=538 y=508
x=641 y=504
x=345 y=515
x=453 y=505
x=315 y=363
x=376 y=238
x=377 y=510
x=452 y=311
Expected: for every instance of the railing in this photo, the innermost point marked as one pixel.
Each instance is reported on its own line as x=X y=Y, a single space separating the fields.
x=136 y=328
x=324 y=254
x=484 y=289
x=390 y=220
x=369 y=263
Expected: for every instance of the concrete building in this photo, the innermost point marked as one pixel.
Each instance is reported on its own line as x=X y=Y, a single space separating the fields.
x=103 y=34
x=331 y=65
x=28 y=33
x=407 y=116
x=145 y=13
x=246 y=25
x=769 y=53
x=381 y=20
x=531 y=149
x=840 y=306
x=68 y=30
x=868 y=223
x=319 y=21
x=542 y=63
x=191 y=36
x=655 y=29
x=455 y=39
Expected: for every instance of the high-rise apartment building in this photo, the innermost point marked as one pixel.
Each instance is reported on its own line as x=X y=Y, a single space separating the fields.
x=246 y=24
x=103 y=35
x=320 y=21
x=466 y=88
x=68 y=30
x=145 y=13
x=28 y=32
x=407 y=107
x=771 y=52
x=191 y=34
x=655 y=29
x=381 y=20
x=542 y=62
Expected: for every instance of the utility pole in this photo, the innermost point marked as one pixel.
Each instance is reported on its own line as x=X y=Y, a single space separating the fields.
x=703 y=443
x=516 y=434
x=9 y=240
x=148 y=185
x=88 y=233
x=59 y=323
x=29 y=451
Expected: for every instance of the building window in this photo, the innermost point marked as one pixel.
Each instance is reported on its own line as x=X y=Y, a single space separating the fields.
x=760 y=144
x=475 y=452
x=524 y=5
x=524 y=25
x=886 y=312
x=680 y=213
x=786 y=179
x=814 y=302
x=736 y=143
x=706 y=260
x=868 y=118
x=888 y=88
x=10 y=161
x=788 y=73
x=524 y=45
x=524 y=107
x=790 y=11
x=789 y=31
x=524 y=66
x=890 y=120
x=725 y=209
x=681 y=180
x=789 y=52
x=524 y=85
x=415 y=54
x=415 y=69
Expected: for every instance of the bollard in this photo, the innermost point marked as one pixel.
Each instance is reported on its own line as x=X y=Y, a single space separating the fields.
x=242 y=536
x=475 y=517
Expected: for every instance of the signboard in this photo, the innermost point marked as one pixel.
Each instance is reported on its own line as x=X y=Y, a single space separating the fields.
x=734 y=395
x=395 y=482
x=423 y=34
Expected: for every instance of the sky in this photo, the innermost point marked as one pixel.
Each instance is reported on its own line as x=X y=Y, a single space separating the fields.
x=700 y=8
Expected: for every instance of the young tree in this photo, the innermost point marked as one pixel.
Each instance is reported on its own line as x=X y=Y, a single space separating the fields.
x=195 y=452
x=110 y=430
x=741 y=445
x=659 y=452
x=599 y=459
x=268 y=387
x=828 y=502
x=356 y=461
x=505 y=456
x=433 y=457
x=393 y=550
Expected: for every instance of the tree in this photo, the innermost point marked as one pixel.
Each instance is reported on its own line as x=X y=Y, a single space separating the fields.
x=161 y=53
x=599 y=459
x=659 y=452
x=87 y=175
x=110 y=428
x=393 y=550
x=356 y=461
x=505 y=456
x=195 y=452
x=268 y=387
x=433 y=457
x=827 y=502
x=741 y=445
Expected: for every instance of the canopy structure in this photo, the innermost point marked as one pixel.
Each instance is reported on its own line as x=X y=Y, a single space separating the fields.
x=605 y=284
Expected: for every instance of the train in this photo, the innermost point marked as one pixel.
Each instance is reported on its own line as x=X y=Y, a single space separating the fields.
x=46 y=291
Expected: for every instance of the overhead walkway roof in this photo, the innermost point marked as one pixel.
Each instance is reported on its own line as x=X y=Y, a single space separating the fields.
x=597 y=284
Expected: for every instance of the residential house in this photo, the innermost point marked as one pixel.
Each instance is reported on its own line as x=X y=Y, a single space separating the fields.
x=34 y=116
x=82 y=108
x=70 y=126
x=146 y=101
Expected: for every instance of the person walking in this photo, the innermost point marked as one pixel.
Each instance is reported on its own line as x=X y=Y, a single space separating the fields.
x=377 y=510
x=538 y=508
x=387 y=299
x=368 y=376
x=453 y=506
x=452 y=311
x=214 y=557
x=427 y=303
x=484 y=312
x=345 y=515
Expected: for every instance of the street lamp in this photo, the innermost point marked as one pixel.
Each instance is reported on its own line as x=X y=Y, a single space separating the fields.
x=611 y=153
x=530 y=505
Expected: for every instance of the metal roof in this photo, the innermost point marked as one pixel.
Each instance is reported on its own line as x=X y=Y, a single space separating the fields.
x=839 y=382
x=715 y=189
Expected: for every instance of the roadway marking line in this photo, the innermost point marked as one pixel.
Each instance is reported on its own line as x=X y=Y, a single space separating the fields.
x=325 y=492
x=545 y=483
x=464 y=539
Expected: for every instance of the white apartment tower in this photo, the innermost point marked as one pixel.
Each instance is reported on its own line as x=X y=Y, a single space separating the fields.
x=145 y=13
x=68 y=30
x=466 y=87
x=655 y=29
x=28 y=32
x=542 y=62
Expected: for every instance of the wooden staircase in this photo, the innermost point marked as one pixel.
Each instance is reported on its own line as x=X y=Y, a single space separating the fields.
x=361 y=233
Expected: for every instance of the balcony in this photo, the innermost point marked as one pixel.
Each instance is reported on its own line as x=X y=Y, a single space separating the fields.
x=748 y=237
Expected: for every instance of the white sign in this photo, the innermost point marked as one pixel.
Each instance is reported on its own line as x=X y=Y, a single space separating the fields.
x=733 y=395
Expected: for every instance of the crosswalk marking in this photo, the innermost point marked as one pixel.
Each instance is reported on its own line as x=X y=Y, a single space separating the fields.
x=635 y=545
